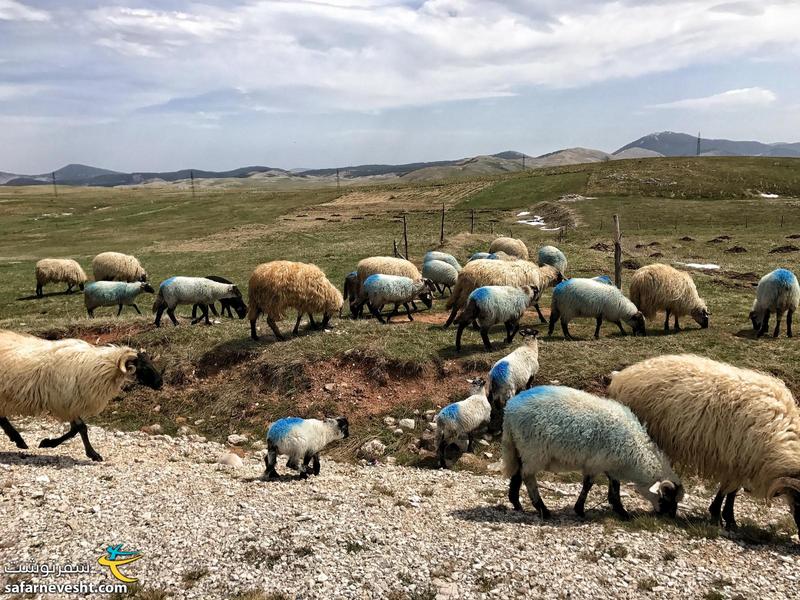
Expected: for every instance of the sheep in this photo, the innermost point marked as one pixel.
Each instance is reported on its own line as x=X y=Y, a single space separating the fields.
x=378 y=290
x=662 y=287
x=512 y=374
x=511 y=246
x=228 y=304
x=550 y=255
x=492 y=272
x=735 y=426
x=115 y=266
x=281 y=284
x=190 y=290
x=589 y=298
x=494 y=304
x=480 y=256
x=500 y=255
x=59 y=270
x=462 y=420
x=443 y=256
x=114 y=293
x=777 y=291
x=69 y=379
x=384 y=265
x=351 y=288
x=301 y=440
x=603 y=279
x=441 y=274
x=559 y=429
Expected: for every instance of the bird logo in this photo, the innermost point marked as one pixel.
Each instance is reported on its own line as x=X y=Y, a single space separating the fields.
x=115 y=557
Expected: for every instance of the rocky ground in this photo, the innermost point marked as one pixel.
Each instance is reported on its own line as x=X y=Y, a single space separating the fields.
x=208 y=530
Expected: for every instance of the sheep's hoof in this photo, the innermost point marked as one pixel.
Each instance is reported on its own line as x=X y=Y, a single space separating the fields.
x=94 y=456
x=731 y=526
x=22 y=445
x=47 y=443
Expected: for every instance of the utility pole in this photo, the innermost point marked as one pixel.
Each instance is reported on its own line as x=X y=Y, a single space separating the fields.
x=405 y=236
x=617 y=253
x=523 y=161
x=55 y=189
x=338 y=188
x=472 y=221
x=698 y=143
x=441 y=234
x=191 y=177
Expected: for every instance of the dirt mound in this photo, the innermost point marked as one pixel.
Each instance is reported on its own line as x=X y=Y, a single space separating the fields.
x=794 y=236
x=601 y=247
x=656 y=255
x=784 y=249
x=556 y=215
x=719 y=239
x=108 y=333
x=686 y=238
x=631 y=264
x=736 y=250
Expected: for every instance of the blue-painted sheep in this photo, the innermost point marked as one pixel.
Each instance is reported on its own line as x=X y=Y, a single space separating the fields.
x=494 y=304
x=228 y=304
x=114 y=293
x=460 y=421
x=559 y=429
x=512 y=374
x=777 y=292
x=190 y=290
x=603 y=279
x=378 y=290
x=550 y=255
x=301 y=440
x=59 y=270
x=442 y=274
x=444 y=257
x=589 y=298
x=114 y=266
x=662 y=287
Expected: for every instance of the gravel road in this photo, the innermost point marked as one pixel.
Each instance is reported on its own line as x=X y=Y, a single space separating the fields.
x=211 y=531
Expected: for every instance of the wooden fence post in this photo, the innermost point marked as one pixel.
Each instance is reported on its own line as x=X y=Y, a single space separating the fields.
x=405 y=236
x=472 y=221
x=441 y=234
x=617 y=253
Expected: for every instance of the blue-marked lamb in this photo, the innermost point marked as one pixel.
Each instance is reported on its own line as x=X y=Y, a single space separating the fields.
x=550 y=255
x=114 y=293
x=115 y=266
x=378 y=290
x=512 y=374
x=443 y=256
x=511 y=246
x=777 y=292
x=734 y=426
x=228 y=304
x=559 y=429
x=383 y=265
x=603 y=279
x=59 y=270
x=68 y=379
x=590 y=298
x=460 y=421
x=301 y=440
x=443 y=275
x=190 y=290
x=494 y=304
x=660 y=287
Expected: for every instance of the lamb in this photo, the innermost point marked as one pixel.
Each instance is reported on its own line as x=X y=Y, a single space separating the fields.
x=492 y=272
x=114 y=293
x=735 y=426
x=462 y=420
x=779 y=292
x=114 y=266
x=379 y=290
x=662 y=287
x=301 y=440
x=69 y=379
x=512 y=374
x=281 y=284
x=441 y=274
x=228 y=304
x=550 y=255
x=494 y=304
x=443 y=256
x=59 y=270
x=589 y=298
x=511 y=246
x=559 y=429
x=190 y=290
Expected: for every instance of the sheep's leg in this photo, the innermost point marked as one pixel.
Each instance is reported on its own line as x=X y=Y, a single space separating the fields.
x=87 y=446
x=270 y=460
x=614 y=499
x=324 y=324
x=408 y=311
x=39 y=292
x=315 y=464
x=91 y=312
x=194 y=310
x=789 y=314
x=565 y=330
x=12 y=433
x=301 y=468
x=311 y=322
x=470 y=443
x=119 y=310
x=588 y=482
x=306 y=461
x=274 y=326
x=716 y=507
x=136 y=308
x=296 y=329
x=158 y=316
x=54 y=442
x=677 y=325
x=452 y=316
x=597 y=329
x=461 y=327
x=205 y=314
x=395 y=310
x=621 y=328
x=666 y=323
x=414 y=306
x=485 y=337
x=212 y=307
x=778 y=319
x=554 y=314
x=536 y=499
x=253 y=332
x=514 y=484
x=376 y=313
x=440 y=448
x=172 y=317
x=508 y=331
x=764 y=324
x=512 y=331
x=727 y=512
x=69 y=289
x=539 y=312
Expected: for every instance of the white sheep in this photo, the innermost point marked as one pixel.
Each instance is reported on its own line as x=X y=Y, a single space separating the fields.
x=115 y=266
x=660 y=287
x=511 y=246
x=591 y=298
x=190 y=290
x=492 y=304
x=461 y=420
x=378 y=290
x=301 y=440
x=69 y=379
x=441 y=274
x=512 y=374
x=777 y=292
x=59 y=270
x=114 y=293
x=559 y=429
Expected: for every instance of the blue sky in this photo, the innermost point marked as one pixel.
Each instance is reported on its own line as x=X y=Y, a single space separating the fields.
x=219 y=84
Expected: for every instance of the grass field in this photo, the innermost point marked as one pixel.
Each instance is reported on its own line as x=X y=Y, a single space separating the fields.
x=218 y=377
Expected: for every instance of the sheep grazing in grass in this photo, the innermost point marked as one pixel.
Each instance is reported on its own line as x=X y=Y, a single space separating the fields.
x=351 y=290
x=559 y=429
x=494 y=304
x=114 y=266
x=662 y=287
x=279 y=285
x=550 y=255
x=442 y=274
x=301 y=440
x=114 y=293
x=68 y=379
x=379 y=290
x=384 y=265
x=777 y=292
x=480 y=273
x=190 y=290
x=512 y=374
x=444 y=257
x=228 y=304
x=59 y=270
x=511 y=246
x=735 y=426
x=460 y=421
x=589 y=298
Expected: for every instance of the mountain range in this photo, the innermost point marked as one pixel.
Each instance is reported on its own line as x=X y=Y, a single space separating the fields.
x=654 y=145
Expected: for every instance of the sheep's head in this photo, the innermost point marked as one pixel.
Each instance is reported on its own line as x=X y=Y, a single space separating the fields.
x=146 y=287
x=146 y=373
x=530 y=334
x=340 y=425
x=240 y=307
x=701 y=316
x=664 y=496
x=532 y=292
x=80 y=286
x=426 y=295
x=234 y=292
x=143 y=276
x=478 y=385
x=638 y=324
x=755 y=320
x=789 y=488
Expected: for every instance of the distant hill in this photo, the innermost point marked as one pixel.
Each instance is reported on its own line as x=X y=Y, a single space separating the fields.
x=668 y=143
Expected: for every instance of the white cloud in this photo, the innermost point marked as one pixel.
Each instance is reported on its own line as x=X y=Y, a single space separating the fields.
x=10 y=10
x=732 y=99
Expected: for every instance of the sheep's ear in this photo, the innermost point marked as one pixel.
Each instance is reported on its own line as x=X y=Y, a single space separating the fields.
x=655 y=488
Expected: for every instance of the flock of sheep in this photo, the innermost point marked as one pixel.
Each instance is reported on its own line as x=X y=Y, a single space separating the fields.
x=734 y=426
